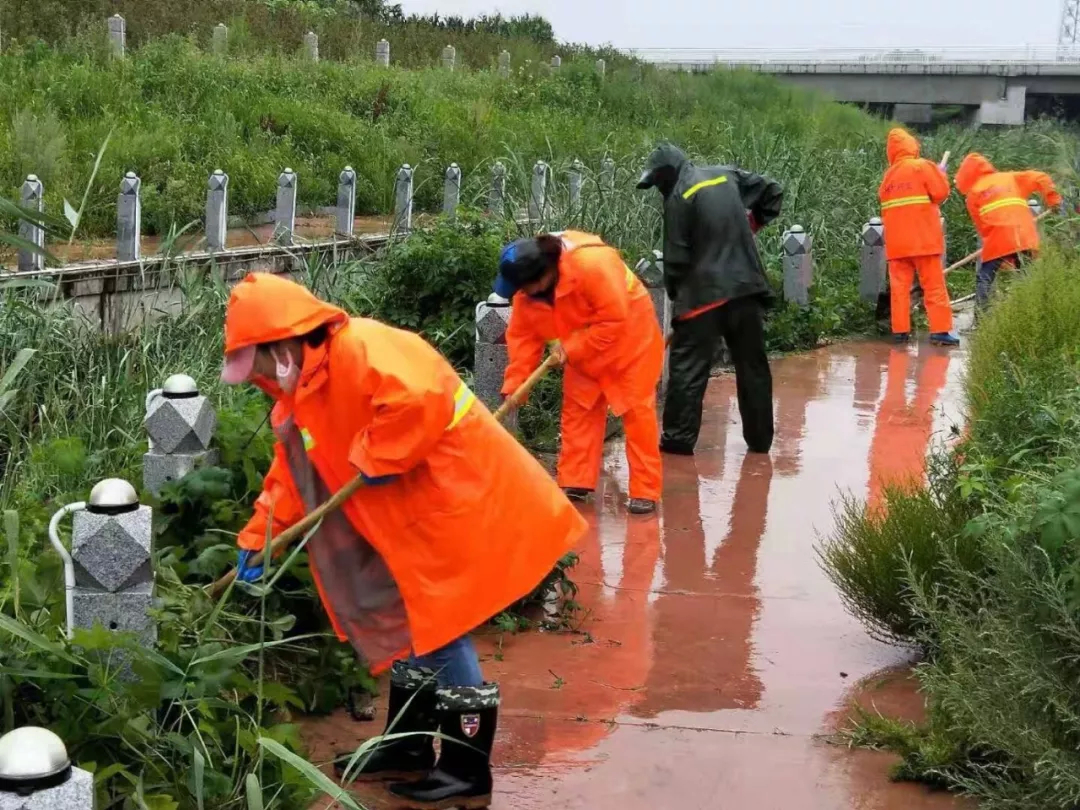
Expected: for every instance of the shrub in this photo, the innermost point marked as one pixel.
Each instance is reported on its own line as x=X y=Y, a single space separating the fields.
x=872 y=554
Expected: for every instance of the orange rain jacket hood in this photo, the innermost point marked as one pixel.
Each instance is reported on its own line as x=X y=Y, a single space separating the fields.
x=472 y=522
x=910 y=193
x=998 y=205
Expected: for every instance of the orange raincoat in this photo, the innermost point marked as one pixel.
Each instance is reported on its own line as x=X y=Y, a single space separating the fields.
x=472 y=523
x=911 y=192
x=605 y=320
x=997 y=202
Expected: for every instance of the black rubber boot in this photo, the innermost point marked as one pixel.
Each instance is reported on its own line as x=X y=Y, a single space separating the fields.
x=579 y=494
x=468 y=716
x=641 y=506
x=411 y=709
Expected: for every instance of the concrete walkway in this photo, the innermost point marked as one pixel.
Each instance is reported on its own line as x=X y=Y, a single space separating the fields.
x=713 y=659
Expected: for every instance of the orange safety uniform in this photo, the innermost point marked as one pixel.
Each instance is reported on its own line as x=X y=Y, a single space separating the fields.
x=604 y=318
x=472 y=522
x=997 y=203
x=911 y=192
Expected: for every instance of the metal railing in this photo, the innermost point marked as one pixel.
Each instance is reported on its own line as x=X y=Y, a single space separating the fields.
x=1028 y=54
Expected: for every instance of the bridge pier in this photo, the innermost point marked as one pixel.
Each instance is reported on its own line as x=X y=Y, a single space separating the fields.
x=913 y=113
x=1007 y=111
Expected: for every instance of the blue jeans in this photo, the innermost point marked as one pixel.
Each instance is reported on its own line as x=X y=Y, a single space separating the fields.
x=987 y=272
x=455 y=664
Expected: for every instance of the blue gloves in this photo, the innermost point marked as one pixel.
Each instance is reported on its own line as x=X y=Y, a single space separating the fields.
x=245 y=572
x=377 y=480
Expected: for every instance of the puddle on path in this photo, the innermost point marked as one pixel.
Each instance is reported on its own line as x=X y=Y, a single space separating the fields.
x=714 y=656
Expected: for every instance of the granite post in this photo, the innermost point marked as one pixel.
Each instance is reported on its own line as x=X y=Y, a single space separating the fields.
x=346 y=202
x=576 y=180
x=285 y=210
x=497 y=195
x=403 y=199
x=452 y=190
x=382 y=53
x=35 y=749
x=217 y=211
x=129 y=219
x=538 y=193
x=112 y=552
x=798 y=265
x=872 y=261
x=32 y=196
x=117 y=36
x=311 y=46
x=449 y=57
x=504 y=64
x=179 y=425
x=219 y=41
x=491 y=354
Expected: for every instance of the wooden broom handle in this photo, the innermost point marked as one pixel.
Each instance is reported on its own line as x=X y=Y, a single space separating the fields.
x=973 y=256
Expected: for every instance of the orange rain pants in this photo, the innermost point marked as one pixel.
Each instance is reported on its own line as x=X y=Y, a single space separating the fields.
x=935 y=295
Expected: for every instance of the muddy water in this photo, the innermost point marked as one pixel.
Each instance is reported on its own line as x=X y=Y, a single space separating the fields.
x=714 y=659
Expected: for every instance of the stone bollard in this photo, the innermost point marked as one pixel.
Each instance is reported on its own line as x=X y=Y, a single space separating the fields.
x=798 y=265
x=449 y=57
x=219 y=41
x=607 y=175
x=217 y=211
x=452 y=191
x=117 y=35
x=601 y=67
x=504 y=64
x=179 y=425
x=491 y=354
x=556 y=62
x=872 y=266
x=285 y=210
x=112 y=552
x=576 y=179
x=403 y=199
x=311 y=46
x=497 y=196
x=129 y=219
x=32 y=196
x=538 y=192
x=346 y=202
x=37 y=773
x=382 y=53
x=651 y=273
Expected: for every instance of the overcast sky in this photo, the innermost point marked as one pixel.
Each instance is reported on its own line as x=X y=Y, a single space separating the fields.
x=780 y=23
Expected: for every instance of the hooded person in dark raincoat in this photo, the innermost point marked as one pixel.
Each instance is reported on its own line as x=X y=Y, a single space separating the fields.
x=716 y=279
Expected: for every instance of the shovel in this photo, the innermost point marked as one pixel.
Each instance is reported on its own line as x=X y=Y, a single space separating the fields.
x=310 y=520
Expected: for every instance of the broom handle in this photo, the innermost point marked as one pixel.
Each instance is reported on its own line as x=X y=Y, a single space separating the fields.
x=972 y=257
x=306 y=523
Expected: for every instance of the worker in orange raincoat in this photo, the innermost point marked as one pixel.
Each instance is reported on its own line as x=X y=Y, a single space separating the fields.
x=997 y=203
x=573 y=288
x=457 y=520
x=911 y=192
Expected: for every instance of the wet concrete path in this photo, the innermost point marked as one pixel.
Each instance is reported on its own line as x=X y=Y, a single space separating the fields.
x=713 y=657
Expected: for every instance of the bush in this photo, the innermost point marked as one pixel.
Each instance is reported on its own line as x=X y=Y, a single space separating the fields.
x=1004 y=721
x=873 y=554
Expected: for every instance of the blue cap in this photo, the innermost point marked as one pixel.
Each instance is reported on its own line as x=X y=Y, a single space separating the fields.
x=519 y=263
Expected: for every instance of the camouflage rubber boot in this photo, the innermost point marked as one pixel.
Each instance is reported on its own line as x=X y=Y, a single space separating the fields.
x=411 y=709
x=468 y=716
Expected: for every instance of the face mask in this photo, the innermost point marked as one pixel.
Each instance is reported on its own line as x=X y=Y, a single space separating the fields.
x=288 y=373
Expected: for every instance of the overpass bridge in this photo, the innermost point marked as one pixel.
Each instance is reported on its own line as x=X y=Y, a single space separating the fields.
x=998 y=85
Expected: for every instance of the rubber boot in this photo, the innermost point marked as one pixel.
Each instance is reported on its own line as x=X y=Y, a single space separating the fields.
x=411 y=709
x=944 y=339
x=579 y=494
x=901 y=337
x=641 y=506
x=468 y=716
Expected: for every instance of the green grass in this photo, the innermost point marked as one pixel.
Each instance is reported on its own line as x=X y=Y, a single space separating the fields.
x=1001 y=635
